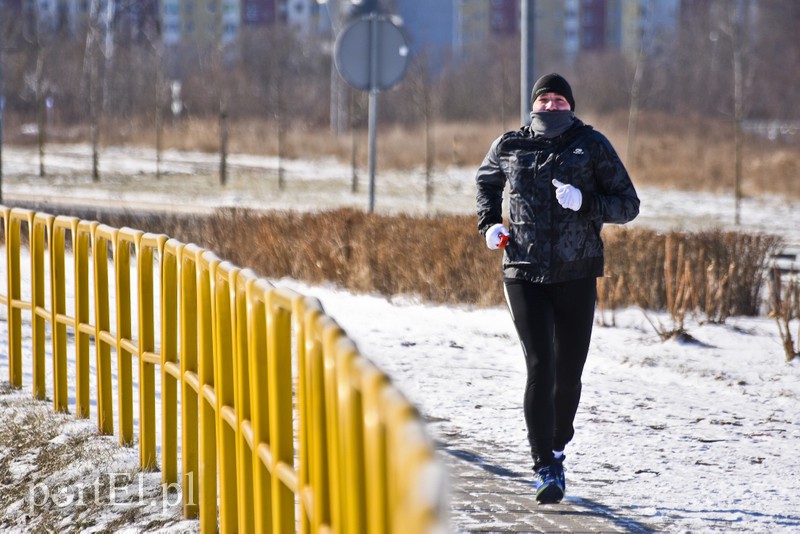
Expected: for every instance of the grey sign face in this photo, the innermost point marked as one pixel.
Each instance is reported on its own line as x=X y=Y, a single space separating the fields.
x=367 y=44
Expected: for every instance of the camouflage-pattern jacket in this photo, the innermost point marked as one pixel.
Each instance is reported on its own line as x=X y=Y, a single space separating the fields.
x=549 y=243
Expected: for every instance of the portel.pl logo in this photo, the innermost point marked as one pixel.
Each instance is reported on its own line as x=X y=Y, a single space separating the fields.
x=111 y=489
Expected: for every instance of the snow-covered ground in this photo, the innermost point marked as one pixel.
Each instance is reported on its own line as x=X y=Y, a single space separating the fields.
x=59 y=475
x=127 y=180
x=680 y=436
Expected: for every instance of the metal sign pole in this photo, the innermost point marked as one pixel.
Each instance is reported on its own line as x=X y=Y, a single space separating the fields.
x=373 y=111
x=371 y=55
x=373 y=105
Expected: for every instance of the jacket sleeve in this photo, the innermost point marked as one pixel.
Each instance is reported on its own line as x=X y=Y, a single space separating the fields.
x=491 y=181
x=615 y=200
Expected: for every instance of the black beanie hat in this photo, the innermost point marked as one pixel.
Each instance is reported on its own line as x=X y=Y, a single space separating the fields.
x=553 y=83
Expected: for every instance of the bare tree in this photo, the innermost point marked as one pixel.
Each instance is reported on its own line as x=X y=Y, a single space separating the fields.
x=734 y=27
x=218 y=64
x=153 y=36
x=354 y=113
x=90 y=68
x=738 y=103
x=633 y=110
x=41 y=88
x=772 y=38
x=106 y=21
x=419 y=84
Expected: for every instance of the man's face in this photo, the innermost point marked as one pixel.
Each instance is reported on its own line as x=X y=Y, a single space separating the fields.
x=550 y=102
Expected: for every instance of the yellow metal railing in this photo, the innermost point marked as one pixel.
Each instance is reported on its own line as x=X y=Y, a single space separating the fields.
x=284 y=426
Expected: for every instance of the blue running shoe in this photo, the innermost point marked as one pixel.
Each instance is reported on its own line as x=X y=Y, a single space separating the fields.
x=550 y=483
x=559 y=463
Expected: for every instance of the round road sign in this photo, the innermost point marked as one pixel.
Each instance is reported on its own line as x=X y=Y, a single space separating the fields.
x=371 y=43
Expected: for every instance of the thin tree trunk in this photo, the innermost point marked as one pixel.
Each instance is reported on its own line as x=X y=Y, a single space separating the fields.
x=223 y=141
x=40 y=111
x=633 y=111
x=738 y=105
x=429 y=146
x=92 y=52
x=159 y=106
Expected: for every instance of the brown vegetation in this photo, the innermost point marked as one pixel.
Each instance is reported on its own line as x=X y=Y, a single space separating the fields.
x=785 y=303
x=57 y=474
x=687 y=154
x=713 y=274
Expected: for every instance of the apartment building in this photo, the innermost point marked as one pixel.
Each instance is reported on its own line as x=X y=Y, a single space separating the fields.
x=446 y=30
x=200 y=22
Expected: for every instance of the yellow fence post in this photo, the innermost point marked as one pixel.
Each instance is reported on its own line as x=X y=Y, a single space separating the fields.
x=170 y=359
x=329 y=332
x=85 y=330
x=309 y=503
x=318 y=435
x=206 y=265
x=281 y=435
x=62 y=227
x=409 y=508
x=7 y=299
x=105 y=237
x=39 y=237
x=352 y=446
x=189 y=384
x=15 y=304
x=126 y=348
x=241 y=386
x=259 y=396
x=225 y=320
x=151 y=247
x=358 y=459
x=373 y=383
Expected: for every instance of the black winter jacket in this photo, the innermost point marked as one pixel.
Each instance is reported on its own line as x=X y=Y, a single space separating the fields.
x=549 y=243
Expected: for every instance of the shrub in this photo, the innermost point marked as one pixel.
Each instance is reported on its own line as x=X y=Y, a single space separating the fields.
x=785 y=302
x=443 y=259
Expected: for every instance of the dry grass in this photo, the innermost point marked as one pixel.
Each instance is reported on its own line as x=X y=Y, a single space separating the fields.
x=688 y=153
x=785 y=302
x=385 y=254
x=714 y=274
x=58 y=475
x=697 y=154
x=28 y=429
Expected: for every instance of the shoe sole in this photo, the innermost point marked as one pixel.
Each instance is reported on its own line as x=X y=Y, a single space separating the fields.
x=551 y=494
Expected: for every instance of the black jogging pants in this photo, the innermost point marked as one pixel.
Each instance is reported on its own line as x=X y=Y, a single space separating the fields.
x=554 y=324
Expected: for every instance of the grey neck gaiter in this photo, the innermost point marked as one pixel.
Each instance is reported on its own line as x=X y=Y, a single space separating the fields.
x=551 y=124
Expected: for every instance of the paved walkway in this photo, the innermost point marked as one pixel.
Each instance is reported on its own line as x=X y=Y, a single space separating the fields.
x=490 y=498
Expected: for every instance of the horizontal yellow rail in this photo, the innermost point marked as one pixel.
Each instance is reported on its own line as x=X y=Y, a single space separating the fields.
x=284 y=426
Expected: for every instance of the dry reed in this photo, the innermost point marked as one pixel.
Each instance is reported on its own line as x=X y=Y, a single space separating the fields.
x=714 y=274
x=687 y=153
x=785 y=301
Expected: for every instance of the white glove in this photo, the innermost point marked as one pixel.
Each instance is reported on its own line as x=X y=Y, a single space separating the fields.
x=495 y=235
x=568 y=196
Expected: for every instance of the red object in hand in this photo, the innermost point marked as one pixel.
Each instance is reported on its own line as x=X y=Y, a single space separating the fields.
x=503 y=240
